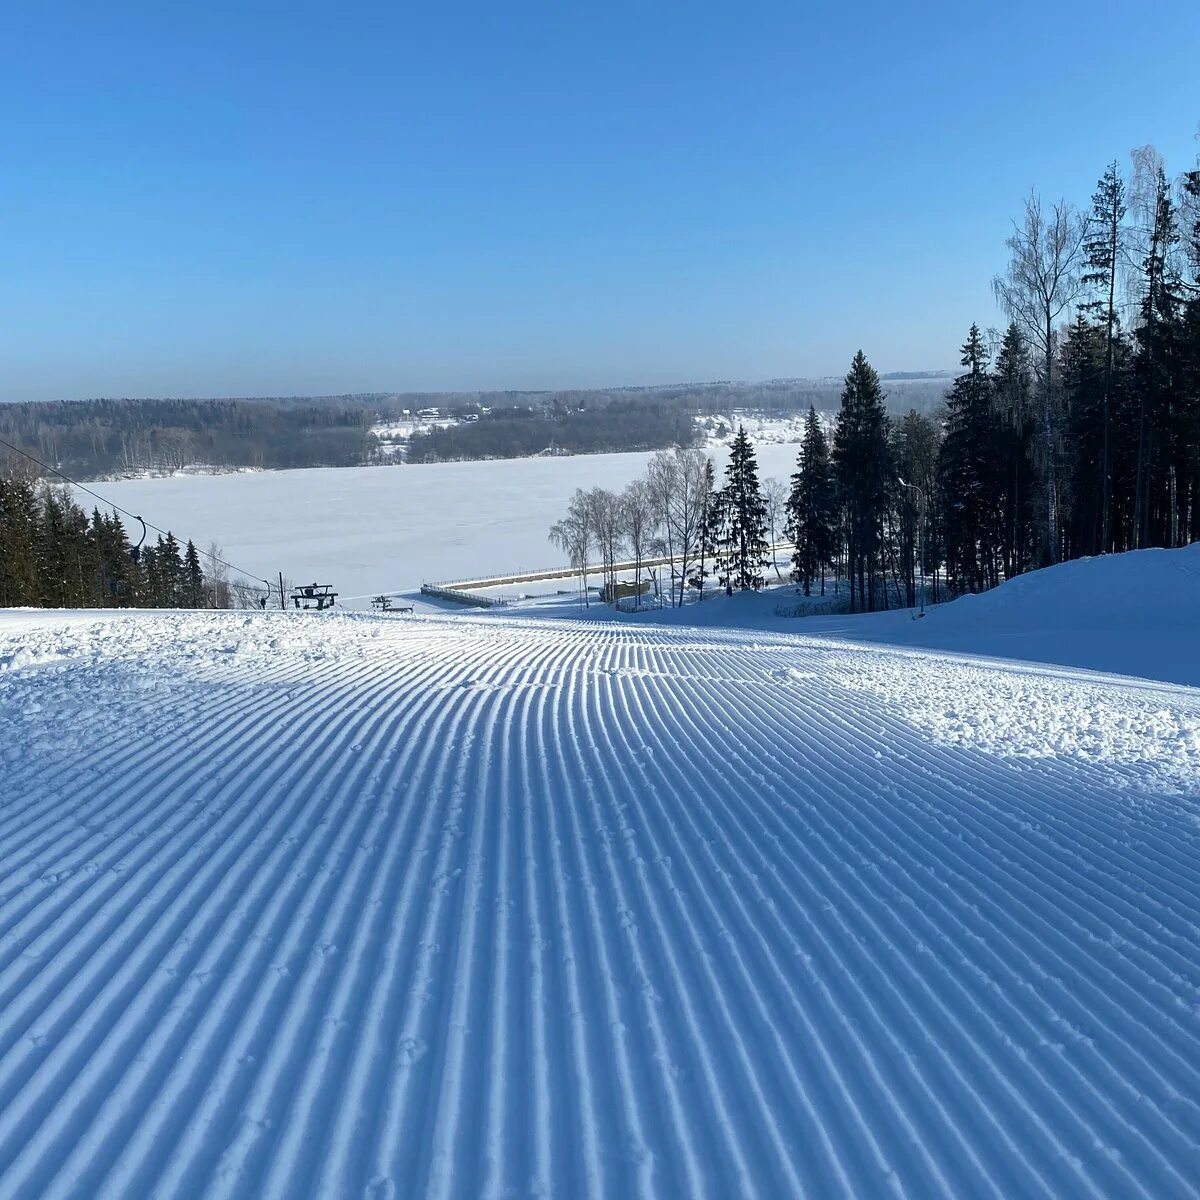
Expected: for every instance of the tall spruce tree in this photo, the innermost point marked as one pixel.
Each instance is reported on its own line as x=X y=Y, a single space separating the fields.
x=812 y=508
x=1012 y=393
x=193 y=577
x=171 y=565
x=742 y=547
x=1158 y=376
x=20 y=522
x=1102 y=252
x=1085 y=382
x=970 y=475
x=69 y=563
x=1190 y=373
x=863 y=471
x=710 y=520
x=121 y=577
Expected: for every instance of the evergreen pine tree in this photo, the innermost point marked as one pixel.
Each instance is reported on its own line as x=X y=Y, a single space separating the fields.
x=67 y=560
x=157 y=591
x=125 y=575
x=742 y=550
x=19 y=526
x=1102 y=251
x=1085 y=383
x=1157 y=379
x=970 y=475
x=710 y=519
x=863 y=471
x=193 y=577
x=1012 y=394
x=812 y=508
x=170 y=563
x=1190 y=365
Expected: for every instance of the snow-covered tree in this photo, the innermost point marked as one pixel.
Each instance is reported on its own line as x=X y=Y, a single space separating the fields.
x=812 y=508
x=742 y=545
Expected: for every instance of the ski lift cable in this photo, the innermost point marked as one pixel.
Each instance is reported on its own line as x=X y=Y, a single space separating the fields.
x=143 y=522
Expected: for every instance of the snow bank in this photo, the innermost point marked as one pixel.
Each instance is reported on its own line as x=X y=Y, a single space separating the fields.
x=1128 y=614
x=1120 y=593
x=1125 y=614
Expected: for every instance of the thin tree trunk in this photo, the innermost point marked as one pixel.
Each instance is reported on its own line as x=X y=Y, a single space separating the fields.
x=1048 y=435
x=1106 y=488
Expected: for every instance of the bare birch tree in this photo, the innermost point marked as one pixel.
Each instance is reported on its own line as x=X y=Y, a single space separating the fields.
x=775 y=498
x=1042 y=282
x=662 y=479
x=609 y=533
x=639 y=516
x=574 y=536
x=677 y=485
x=216 y=578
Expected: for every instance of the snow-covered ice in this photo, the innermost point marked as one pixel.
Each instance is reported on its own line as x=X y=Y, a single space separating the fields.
x=389 y=528
x=331 y=905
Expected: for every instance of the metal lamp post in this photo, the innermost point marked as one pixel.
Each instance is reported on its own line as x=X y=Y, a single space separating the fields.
x=920 y=539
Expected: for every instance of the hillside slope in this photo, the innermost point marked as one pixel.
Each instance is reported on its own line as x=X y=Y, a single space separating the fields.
x=296 y=905
x=1136 y=613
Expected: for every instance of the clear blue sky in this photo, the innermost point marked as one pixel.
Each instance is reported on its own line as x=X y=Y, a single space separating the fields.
x=214 y=198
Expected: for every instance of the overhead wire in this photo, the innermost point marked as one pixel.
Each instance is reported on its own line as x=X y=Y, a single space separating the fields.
x=117 y=508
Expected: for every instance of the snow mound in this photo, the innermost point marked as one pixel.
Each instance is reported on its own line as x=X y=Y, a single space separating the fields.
x=1132 y=614
x=1133 y=591
x=1034 y=713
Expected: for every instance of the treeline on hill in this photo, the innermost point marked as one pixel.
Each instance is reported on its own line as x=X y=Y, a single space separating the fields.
x=53 y=555
x=88 y=438
x=920 y=390
x=519 y=432
x=96 y=438
x=1078 y=433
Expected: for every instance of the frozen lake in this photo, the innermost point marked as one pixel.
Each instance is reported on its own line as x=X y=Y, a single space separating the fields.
x=371 y=529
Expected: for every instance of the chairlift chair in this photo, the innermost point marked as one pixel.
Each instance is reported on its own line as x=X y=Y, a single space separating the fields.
x=314 y=595
x=135 y=552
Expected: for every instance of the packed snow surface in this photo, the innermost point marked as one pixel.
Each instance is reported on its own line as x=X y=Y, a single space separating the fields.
x=297 y=904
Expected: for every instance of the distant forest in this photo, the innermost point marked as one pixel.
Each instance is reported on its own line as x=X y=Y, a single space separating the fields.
x=518 y=432
x=96 y=438
x=91 y=438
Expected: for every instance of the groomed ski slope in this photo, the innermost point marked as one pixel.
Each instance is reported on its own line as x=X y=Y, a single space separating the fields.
x=298 y=905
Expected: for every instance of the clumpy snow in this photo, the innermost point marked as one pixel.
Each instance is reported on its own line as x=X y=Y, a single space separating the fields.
x=336 y=905
x=1037 y=714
